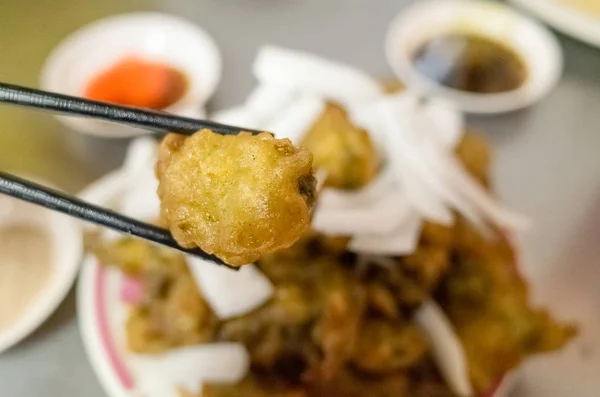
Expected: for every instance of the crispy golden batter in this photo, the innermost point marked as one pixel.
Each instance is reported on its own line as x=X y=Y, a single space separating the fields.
x=385 y=346
x=239 y=197
x=336 y=330
x=342 y=149
x=488 y=303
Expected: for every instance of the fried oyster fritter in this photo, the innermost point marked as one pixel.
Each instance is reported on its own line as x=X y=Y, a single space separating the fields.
x=342 y=149
x=238 y=197
x=487 y=301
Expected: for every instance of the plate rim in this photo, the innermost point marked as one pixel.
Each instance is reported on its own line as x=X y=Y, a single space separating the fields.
x=86 y=296
x=567 y=20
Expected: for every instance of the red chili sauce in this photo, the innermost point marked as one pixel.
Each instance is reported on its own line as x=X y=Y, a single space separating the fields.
x=140 y=83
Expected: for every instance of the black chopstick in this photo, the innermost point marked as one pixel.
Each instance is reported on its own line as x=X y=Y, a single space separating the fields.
x=40 y=195
x=135 y=117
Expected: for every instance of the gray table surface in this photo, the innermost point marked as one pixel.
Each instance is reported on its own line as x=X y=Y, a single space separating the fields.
x=547 y=157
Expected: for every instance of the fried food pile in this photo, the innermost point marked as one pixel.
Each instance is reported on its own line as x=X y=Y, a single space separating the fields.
x=238 y=197
x=338 y=324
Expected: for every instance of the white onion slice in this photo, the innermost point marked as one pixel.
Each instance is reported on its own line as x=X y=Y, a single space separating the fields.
x=295 y=121
x=424 y=199
x=379 y=217
x=422 y=186
x=425 y=159
x=230 y=293
x=447 y=348
x=189 y=367
x=421 y=197
x=435 y=157
x=339 y=199
x=447 y=122
x=366 y=116
x=134 y=192
x=266 y=101
x=238 y=116
x=141 y=155
x=402 y=241
x=140 y=201
x=303 y=72
x=458 y=176
x=476 y=199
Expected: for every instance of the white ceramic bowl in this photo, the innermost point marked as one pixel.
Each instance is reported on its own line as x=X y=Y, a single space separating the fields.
x=428 y=19
x=154 y=36
x=67 y=248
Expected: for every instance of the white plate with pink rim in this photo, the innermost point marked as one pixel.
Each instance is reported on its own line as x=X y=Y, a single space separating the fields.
x=102 y=313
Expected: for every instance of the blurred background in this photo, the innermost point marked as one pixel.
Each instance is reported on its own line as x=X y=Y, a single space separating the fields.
x=547 y=162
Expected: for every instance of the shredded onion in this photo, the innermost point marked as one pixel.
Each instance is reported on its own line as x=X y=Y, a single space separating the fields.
x=230 y=293
x=266 y=101
x=373 y=192
x=295 y=121
x=424 y=199
x=448 y=351
x=459 y=177
x=140 y=199
x=396 y=117
x=402 y=241
x=237 y=116
x=189 y=367
x=476 y=201
x=447 y=122
x=378 y=217
x=141 y=154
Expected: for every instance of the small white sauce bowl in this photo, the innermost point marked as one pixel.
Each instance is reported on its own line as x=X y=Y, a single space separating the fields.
x=152 y=36
x=66 y=245
x=428 y=19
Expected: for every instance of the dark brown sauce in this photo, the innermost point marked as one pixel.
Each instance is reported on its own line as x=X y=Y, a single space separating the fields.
x=471 y=63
